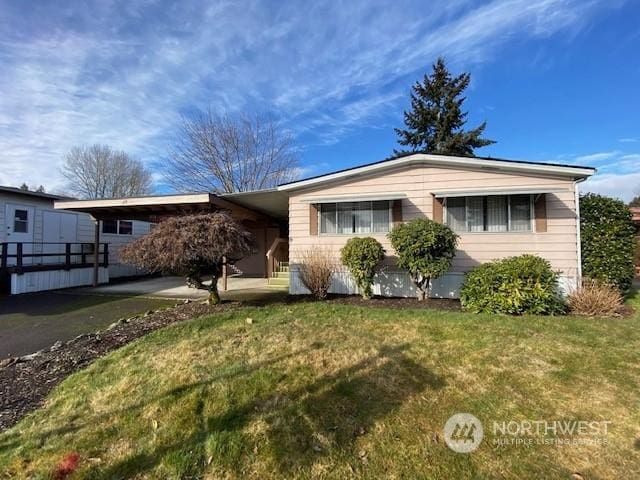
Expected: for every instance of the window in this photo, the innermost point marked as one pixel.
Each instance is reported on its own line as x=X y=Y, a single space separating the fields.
x=354 y=217
x=495 y=213
x=21 y=221
x=117 y=227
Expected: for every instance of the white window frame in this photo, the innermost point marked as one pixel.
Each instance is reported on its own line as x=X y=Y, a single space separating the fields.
x=532 y=222
x=319 y=219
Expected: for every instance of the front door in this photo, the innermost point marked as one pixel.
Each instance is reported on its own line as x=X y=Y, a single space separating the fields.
x=19 y=220
x=58 y=228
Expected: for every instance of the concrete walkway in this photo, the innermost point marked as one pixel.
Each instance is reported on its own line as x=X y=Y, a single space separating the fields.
x=175 y=287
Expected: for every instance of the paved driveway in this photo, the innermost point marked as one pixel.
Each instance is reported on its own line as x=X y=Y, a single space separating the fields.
x=34 y=321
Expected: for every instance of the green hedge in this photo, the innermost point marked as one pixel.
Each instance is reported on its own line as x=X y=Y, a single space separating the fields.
x=514 y=285
x=608 y=241
x=361 y=255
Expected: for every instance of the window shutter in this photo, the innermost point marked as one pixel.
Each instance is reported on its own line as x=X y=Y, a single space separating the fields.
x=437 y=210
x=313 y=219
x=540 y=209
x=396 y=212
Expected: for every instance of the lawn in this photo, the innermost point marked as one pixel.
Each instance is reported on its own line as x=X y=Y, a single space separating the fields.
x=322 y=390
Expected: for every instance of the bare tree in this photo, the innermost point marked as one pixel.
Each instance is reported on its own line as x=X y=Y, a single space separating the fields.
x=230 y=154
x=193 y=246
x=98 y=171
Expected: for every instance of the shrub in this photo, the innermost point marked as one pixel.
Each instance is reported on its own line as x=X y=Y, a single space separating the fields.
x=514 y=285
x=608 y=241
x=362 y=256
x=425 y=249
x=193 y=246
x=595 y=298
x=316 y=267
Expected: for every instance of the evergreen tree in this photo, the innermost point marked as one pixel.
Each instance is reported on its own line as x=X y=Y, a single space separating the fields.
x=436 y=120
x=24 y=187
x=635 y=202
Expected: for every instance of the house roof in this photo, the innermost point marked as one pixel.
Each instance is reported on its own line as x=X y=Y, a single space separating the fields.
x=485 y=163
x=18 y=191
x=274 y=202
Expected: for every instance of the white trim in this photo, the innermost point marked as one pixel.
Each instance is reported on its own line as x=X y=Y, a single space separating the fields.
x=420 y=158
x=136 y=201
x=355 y=198
x=459 y=192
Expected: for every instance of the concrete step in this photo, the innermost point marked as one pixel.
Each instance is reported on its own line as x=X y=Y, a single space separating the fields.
x=278 y=281
x=280 y=275
x=284 y=288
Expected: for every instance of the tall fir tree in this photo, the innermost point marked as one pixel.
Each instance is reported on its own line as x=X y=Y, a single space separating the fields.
x=436 y=120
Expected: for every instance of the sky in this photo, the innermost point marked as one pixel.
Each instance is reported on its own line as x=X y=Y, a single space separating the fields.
x=555 y=80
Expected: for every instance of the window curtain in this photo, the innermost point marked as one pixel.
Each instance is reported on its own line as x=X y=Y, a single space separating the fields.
x=456 y=218
x=328 y=218
x=497 y=212
x=345 y=217
x=362 y=217
x=475 y=214
x=520 y=213
x=380 y=216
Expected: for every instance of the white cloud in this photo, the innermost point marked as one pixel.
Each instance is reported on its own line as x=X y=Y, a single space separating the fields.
x=597 y=157
x=622 y=186
x=628 y=140
x=123 y=72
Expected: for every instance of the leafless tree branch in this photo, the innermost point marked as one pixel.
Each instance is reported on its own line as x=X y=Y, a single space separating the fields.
x=230 y=154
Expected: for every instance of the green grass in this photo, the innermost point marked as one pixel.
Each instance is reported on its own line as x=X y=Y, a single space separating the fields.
x=319 y=390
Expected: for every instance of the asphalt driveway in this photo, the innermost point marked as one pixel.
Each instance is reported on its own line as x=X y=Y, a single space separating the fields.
x=34 y=321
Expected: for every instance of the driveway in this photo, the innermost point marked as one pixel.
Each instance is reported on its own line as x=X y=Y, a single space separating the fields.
x=34 y=321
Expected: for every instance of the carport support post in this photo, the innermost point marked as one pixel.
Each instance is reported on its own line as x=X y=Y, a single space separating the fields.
x=96 y=253
x=224 y=274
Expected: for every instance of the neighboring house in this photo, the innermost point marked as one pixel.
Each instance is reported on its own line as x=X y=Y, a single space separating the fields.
x=30 y=225
x=499 y=208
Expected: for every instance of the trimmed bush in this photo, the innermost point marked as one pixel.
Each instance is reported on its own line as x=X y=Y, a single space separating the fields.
x=595 y=299
x=362 y=257
x=608 y=241
x=425 y=249
x=514 y=285
x=316 y=267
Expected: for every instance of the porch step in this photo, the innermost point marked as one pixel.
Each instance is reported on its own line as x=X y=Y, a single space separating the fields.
x=279 y=281
x=280 y=274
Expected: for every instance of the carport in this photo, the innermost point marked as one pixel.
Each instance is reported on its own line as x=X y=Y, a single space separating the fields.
x=263 y=213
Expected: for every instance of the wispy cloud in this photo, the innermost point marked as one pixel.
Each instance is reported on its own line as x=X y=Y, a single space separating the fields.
x=123 y=72
x=628 y=140
x=597 y=157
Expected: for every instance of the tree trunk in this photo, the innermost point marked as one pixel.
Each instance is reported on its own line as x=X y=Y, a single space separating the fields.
x=214 y=296
x=422 y=288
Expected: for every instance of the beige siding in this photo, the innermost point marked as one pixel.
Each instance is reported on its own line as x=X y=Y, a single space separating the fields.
x=558 y=244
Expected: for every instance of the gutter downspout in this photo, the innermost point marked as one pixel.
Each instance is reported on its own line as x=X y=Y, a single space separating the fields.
x=576 y=191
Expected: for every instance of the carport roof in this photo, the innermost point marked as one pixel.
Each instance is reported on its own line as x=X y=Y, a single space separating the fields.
x=249 y=205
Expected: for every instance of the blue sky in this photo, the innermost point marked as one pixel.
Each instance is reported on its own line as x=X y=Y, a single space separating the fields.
x=556 y=80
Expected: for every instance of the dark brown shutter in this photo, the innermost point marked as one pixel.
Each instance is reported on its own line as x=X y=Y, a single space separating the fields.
x=313 y=219
x=540 y=211
x=396 y=212
x=437 y=209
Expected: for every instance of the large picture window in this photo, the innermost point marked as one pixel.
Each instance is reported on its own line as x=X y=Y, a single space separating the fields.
x=494 y=213
x=354 y=217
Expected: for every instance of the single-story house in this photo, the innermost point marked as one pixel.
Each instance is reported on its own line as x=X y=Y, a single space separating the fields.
x=35 y=239
x=499 y=208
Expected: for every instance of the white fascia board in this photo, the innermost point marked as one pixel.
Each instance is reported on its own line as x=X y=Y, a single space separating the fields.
x=458 y=192
x=474 y=163
x=134 y=201
x=354 y=198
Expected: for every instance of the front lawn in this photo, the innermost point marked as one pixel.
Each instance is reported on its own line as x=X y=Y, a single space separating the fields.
x=327 y=390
